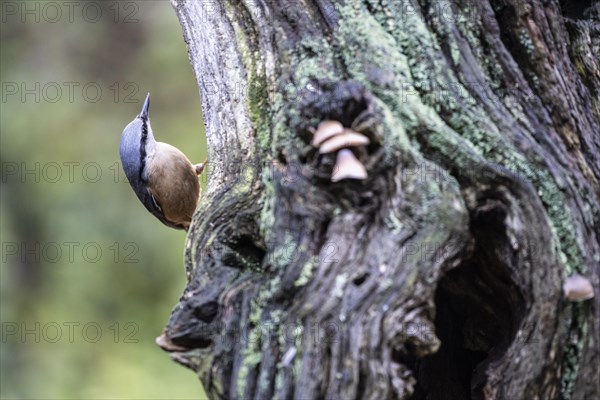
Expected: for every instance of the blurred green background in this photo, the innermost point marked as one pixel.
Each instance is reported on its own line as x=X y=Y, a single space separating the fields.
x=88 y=276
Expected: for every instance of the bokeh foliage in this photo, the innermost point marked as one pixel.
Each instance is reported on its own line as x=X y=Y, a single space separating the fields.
x=129 y=49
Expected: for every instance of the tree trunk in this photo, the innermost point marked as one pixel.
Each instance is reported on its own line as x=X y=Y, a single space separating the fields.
x=440 y=275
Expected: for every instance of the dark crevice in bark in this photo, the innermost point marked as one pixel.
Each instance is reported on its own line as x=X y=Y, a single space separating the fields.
x=479 y=308
x=506 y=16
x=339 y=100
x=244 y=251
x=360 y=279
x=207 y=312
x=575 y=9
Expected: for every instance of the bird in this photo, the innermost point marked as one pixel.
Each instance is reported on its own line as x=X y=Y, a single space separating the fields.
x=162 y=177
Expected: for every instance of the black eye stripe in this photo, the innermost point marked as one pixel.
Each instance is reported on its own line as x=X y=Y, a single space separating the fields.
x=143 y=141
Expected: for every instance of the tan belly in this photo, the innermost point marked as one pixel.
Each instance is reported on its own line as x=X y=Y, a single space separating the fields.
x=174 y=183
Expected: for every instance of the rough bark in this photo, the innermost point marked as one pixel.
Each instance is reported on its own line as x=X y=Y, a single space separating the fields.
x=438 y=277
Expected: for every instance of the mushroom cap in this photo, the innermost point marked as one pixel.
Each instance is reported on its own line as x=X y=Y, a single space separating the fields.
x=348 y=138
x=347 y=166
x=578 y=288
x=326 y=130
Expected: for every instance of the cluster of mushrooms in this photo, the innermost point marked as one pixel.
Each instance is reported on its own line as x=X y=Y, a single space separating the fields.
x=331 y=136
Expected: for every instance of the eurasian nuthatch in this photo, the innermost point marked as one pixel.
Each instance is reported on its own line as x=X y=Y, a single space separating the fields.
x=161 y=176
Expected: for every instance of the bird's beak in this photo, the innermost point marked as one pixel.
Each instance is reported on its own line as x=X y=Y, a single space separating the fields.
x=145 y=107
